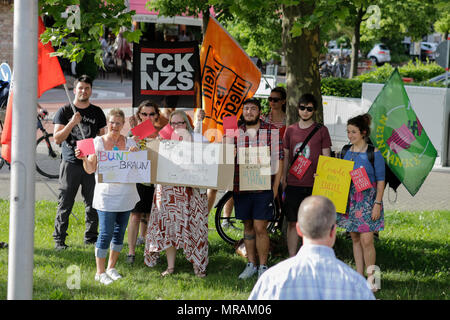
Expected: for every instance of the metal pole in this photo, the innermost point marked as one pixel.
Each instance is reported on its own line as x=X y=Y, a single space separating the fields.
x=22 y=189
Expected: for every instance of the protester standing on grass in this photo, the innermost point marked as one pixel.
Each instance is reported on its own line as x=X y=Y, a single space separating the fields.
x=296 y=189
x=364 y=214
x=113 y=201
x=255 y=208
x=139 y=215
x=91 y=120
x=179 y=216
x=277 y=113
x=314 y=273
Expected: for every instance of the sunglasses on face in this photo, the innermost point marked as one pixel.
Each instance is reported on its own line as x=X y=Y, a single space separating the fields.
x=271 y=99
x=303 y=108
x=173 y=124
x=145 y=114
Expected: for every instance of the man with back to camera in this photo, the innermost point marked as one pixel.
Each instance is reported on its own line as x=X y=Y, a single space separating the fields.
x=92 y=121
x=296 y=189
x=314 y=273
x=255 y=208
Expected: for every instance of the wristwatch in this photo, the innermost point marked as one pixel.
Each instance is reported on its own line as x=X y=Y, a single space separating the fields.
x=377 y=202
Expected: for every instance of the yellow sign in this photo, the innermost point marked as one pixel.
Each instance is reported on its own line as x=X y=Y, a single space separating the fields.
x=333 y=181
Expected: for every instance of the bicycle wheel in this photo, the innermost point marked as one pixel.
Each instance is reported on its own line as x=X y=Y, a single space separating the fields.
x=48 y=157
x=231 y=229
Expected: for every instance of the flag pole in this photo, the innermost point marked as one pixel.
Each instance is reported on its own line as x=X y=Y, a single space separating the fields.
x=23 y=153
x=73 y=108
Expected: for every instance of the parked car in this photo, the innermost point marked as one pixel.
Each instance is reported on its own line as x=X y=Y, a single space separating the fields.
x=335 y=49
x=428 y=50
x=379 y=54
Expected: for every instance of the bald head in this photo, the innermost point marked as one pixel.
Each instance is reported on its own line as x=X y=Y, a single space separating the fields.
x=316 y=216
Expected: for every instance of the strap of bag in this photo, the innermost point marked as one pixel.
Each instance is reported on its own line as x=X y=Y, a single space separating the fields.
x=316 y=128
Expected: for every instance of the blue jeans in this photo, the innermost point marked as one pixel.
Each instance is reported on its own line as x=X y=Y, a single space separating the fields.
x=112 y=227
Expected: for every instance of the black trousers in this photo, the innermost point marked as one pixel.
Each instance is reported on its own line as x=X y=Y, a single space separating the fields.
x=71 y=177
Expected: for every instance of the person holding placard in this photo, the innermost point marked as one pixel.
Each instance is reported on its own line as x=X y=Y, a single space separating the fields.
x=254 y=203
x=147 y=110
x=179 y=216
x=365 y=213
x=113 y=201
x=87 y=122
x=303 y=143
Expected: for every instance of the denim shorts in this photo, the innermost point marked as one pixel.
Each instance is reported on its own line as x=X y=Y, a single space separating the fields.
x=112 y=227
x=254 y=206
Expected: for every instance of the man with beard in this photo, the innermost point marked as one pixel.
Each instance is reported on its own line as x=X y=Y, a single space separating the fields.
x=255 y=208
x=296 y=189
x=92 y=121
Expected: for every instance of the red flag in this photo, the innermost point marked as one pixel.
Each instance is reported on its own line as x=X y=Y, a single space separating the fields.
x=50 y=75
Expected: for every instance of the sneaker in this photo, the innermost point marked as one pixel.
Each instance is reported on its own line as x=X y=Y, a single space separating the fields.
x=113 y=274
x=90 y=241
x=249 y=271
x=261 y=270
x=61 y=246
x=103 y=279
x=226 y=224
x=140 y=241
x=130 y=258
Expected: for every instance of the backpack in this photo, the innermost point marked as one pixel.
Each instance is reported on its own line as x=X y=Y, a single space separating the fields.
x=4 y=93
x=390 y=177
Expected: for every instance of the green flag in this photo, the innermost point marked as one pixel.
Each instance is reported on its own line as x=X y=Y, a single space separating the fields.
x=398 y=134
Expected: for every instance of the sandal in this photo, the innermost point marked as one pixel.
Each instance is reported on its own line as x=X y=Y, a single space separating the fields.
x=168 y=272
x=199 y=273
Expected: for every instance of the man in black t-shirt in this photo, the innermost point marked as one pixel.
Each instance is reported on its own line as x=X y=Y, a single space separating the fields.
x=88 y=122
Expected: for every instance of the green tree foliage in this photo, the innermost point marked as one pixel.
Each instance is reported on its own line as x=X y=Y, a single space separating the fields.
x=78 y=39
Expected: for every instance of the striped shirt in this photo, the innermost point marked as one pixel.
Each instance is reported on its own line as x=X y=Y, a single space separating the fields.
x=313 y=274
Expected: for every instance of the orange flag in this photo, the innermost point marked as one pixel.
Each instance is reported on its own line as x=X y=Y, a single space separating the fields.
x=228 y=78
x=50 y=75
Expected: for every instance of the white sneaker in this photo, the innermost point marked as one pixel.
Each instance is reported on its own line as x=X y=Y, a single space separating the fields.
x=261 y=270
x=249 y=271
x=103 y=278
x=113 y=274
x=140 y=241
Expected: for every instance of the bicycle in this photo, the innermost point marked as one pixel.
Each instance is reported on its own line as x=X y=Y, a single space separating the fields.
x=231 y=230
x=48 y=156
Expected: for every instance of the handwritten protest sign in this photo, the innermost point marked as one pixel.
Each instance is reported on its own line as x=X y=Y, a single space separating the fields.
x=254 y=168
x=124 y=166
x=300 y=166
x=333 y=181
x=360 y=179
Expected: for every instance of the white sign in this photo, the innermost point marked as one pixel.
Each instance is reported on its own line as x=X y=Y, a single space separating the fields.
x=188 y=163
x=266 y=84
x=124 y=166
x=5 y=72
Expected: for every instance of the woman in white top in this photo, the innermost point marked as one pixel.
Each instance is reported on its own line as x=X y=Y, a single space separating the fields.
x=113 y=201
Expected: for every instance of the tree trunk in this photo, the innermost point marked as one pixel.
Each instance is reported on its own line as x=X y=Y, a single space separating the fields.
x=355 y=44
x=302 y=61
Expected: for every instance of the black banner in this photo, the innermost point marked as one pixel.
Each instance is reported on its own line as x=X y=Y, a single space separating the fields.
x=167 y=73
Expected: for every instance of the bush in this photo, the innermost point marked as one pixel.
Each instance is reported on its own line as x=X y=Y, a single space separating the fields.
x=420 y=71
x=340 y=87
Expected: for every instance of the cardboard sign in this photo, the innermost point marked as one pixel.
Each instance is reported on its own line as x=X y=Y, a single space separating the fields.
x=167 y=73
x=360 y=179
x=86 y=146
x=299 y=167
x=123 y=166
x=254 y=169
x=192 y=164
x=144 y=129
x=333 y=181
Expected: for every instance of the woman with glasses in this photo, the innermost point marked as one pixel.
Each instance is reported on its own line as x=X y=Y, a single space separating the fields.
x=139 y=216
x=277 y=113
x=179 y=216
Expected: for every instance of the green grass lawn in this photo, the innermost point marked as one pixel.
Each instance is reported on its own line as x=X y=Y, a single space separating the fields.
x=413 y=256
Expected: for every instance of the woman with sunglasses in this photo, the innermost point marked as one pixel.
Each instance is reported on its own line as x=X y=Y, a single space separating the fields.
x=296 y=189
x=277 y=113
x=139 y=215
x=179 y=216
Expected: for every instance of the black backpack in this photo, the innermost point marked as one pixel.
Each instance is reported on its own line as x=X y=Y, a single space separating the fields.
x=4 y=93
x=390 y=177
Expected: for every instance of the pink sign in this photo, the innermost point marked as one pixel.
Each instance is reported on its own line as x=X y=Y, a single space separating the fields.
x=360 y=179
x=86 y=146
x=168 y=133
x=300 y=166
x=230 y=125
x=144 y=129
